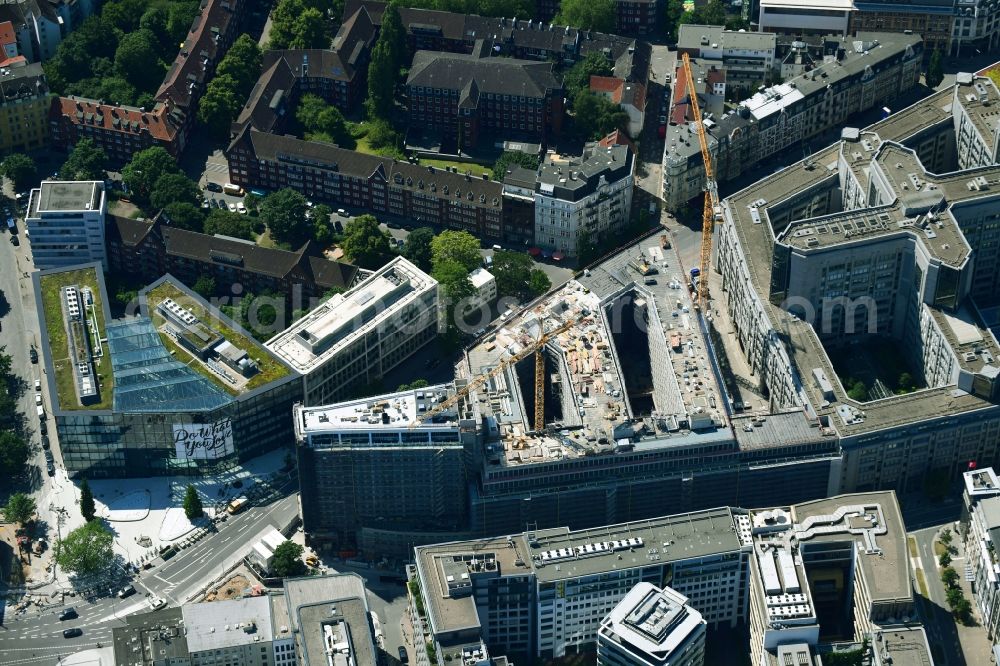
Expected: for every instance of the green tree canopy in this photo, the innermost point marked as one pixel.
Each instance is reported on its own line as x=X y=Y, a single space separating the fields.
x=577 y=78
x=243 y=63
x=86 y=550
x=141 y=174
x=513 y=158
x=14 y=453
x=364 y=243
x=20 y=509
x=322 y=121
x=381 y=82
x=220 y=106
x=418 y=247
x=228 y=224
x=949 y=577
x=538 y=282
x=284 y=213
x=455 y=285
x=93 y=41
x=516 y=276
x=596 y=15
x=172 y=188
x=20 y=170
x=288 y=560
x=124 y=15
x=138 y=61
x=156 y=20
x=594 y=116
x=935 y=70
x=312 y=31
x=322 y=230
x=192 y=504
x=458 y=246
x=184 y=215
x=87 y=507
x=205 y=286
x=288 y=29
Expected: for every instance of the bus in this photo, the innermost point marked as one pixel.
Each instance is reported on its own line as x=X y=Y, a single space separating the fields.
x=233 y=190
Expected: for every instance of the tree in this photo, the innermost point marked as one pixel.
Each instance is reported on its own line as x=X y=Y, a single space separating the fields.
x=381 y=82
x=513 y=158
x=949 y=577
x=935 y=70
x=14 y=453
x=184 y=215
x=204 y=286
x=86 y=550
x=192 y=504
x=20 y=170
x=124 y=15
x=858 y=391
x=945 y=559
x=458 y=246
x=577 y=78
x=714 y=13
x=512 y=271
x=113 y=89
x=672 y=17
x=455 y=285
x=87 y=507
x=393 y=34
x=181 y=17
x=20 y=509
x=87 y=161
x=288 y=29
x=311 y=31
x=322 y=229
x=140 y=175
x=228 y=224
x=242 y=63
x=288 y=560
x=324 y=121
x=365 y=244
x=415 y=384
x=538 y=282
x=594 y=116
x=156 y=20
x=284 y=213
x=138 y=62
x=418 y=247
x=172 y=188
x=596 y=15
x=963 y=610
x=954 y=595
x=946 y=537
x=219 y=106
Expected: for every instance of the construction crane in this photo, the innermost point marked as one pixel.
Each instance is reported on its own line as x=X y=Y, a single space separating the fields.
x=712 y=210
x=479 y=380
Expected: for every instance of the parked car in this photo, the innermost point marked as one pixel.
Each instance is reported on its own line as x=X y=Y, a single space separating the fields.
x=156 y=602
x=14 y=241
x=51 y=469
x=48 y=457
x=72 y=633
x=240 y=208
x=213 y=187
x=221 y=204
x=33 y=355
x=126 y=591
x=68 y=614
x=232 y=207
x=343 y=213
x=45 y=441
x=403 y=657
x=38 y=384
x=38 y=398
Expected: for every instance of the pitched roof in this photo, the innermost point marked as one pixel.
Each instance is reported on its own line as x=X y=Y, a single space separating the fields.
x=7 y=35
x=126 y=230
x=605 y=84
x=83 y=111
x=505 y=76
x=22 y=80
x=267 y=101
x=617 y=138
x=356 y=32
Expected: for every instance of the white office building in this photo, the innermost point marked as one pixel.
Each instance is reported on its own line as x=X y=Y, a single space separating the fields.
x=982 y=513
x=805 y=17
x=354 y=338
x=65 y=222
x=583 y=199
x=652 y=627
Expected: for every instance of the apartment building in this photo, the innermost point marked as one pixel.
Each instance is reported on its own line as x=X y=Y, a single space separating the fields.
x=932 y=20
x=748 y=57
x=8 y=42
x=652 y=627
x=427 y=195
x=546 y=592
x=805 y=17
x=24 y=106
x=65 y=222
x=836 y=567
x=353 y=339
x=631 y=97
x=981 y=525
x=148 y=249
x=976 y=28
x=856 y=74
x=580 y=200
x=40 y=26
x=378 y=463
x=123 y=130
x=467 y=97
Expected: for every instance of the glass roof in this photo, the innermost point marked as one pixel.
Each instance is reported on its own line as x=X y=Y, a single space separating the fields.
x=149 y=379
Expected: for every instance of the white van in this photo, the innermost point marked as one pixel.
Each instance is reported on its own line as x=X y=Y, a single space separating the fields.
x=40 y=411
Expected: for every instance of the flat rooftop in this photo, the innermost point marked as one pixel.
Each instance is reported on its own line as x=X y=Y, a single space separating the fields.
x=224 y=624
x=327 y=611
x=652 y=620
x=979 y=99
x=560 y=554
x=340 y=320
x=389 y=411
x=902 y=647
x=59 y=196
x=152 y=637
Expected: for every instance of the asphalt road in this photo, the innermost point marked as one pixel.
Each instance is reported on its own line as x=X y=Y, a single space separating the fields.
x=938 y=621
x=38 y=638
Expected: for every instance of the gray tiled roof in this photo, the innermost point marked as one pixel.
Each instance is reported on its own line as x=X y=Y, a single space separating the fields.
x=576 y=178
x=504 y=76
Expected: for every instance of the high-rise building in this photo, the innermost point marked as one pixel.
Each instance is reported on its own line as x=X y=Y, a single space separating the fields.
x=982 y=538
x=353 y=339
x=652 y=627
x=65 y=221
x=24 y=107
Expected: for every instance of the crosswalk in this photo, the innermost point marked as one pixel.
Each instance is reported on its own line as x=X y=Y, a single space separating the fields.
x=216 y=167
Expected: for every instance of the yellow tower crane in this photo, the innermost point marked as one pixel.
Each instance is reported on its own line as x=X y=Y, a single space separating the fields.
x=479 y=380
x=712 y=209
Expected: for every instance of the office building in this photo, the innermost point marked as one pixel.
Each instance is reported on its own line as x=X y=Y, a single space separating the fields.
x=378 y=463
x=65 y=222
x=177 y=389
x=652 y=627
x=467 y=97
x=837 y=568
x=546 y=592
x=805 y=17
x=981 y=526
x=428 y=195
x=24 y=106
x=748 y=57
x=314 y=621
x=583 y=200
x=856 y=74
x=353 y=339
x=932 y=20
x=40 y=25
x=147 y=249
x=873 y=217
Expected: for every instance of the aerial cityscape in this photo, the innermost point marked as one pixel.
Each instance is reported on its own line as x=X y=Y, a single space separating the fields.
x=500 y=333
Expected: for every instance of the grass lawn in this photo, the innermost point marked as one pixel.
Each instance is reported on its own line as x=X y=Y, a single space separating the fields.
x=922 y=583
x=364 y=146
x=270 y=368
x=913 y=547
x=51 y=304
x=477 y=169
x=939 y=548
